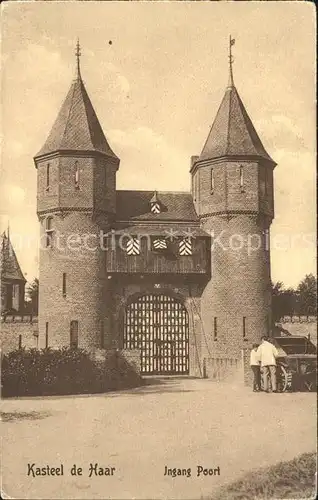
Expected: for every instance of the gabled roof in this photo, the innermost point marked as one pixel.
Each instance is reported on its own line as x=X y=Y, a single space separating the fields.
x=232 y=132
x=76 y=126
x=135 y=205
x=9 y=265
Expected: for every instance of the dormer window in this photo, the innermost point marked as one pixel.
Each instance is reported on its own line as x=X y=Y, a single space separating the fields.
x=185 y=246
x=76 y=175
x=133 y=246
x=155 y=205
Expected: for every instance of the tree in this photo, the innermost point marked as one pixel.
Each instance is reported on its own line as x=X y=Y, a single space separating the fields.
x=307 y=296
x=284 y=302
x=32 y=293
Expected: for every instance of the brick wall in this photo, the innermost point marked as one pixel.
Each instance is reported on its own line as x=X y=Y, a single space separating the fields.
x=79 y=213
x=86 y=298
x=230 y=191
x=247 y=372
x=132 y=356
x=48 y=199
x=12 y=328
x=239 y=288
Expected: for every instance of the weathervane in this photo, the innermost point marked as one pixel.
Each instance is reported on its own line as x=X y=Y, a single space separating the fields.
x=231 y=59
x=78 y=55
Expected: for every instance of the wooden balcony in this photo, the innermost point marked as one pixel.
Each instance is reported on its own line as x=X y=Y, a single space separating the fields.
x=168 y=261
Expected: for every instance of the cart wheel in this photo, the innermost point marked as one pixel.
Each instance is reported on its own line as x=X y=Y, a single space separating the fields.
x=282 y=378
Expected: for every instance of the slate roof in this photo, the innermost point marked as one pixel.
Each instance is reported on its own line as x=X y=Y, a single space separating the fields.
x=135 y=205
x=76 y=126
x=232 y=132
x=9 y=265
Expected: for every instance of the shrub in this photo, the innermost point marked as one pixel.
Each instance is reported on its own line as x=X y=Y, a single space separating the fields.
x=33 y=372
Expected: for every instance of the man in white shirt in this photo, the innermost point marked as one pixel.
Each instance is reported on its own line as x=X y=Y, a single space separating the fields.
x=267 y=354
x=256 y=368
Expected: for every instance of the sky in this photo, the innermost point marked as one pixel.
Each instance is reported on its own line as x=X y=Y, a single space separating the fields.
x=156 y=89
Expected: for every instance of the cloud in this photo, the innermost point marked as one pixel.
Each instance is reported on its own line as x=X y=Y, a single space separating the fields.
x=143 y=151
x=283 y=131
x=110 y=83
x=12 y=196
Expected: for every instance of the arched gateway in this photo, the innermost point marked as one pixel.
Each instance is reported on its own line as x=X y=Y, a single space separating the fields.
x=158 y=325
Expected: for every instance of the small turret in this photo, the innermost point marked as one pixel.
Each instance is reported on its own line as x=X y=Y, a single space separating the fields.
x=232 y=186
x=76 y=166
x=76 y=203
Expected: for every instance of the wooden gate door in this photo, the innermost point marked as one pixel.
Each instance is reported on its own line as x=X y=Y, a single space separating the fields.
x=158 y=325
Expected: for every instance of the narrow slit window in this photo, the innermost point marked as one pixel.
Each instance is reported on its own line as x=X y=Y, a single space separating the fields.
x=46 y=335
x=49 y=232
x=244 y=327
x=212 y=180
x=64 y=285
x=241 y=179
x=195 y=187
x=76 y=175
x=48 y=166
x=215 y=328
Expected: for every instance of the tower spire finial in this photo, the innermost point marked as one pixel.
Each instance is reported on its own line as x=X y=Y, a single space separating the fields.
x=231 y=81
x=78 y=55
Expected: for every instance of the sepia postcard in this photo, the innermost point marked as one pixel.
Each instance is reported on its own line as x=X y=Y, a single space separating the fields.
x=158 y=250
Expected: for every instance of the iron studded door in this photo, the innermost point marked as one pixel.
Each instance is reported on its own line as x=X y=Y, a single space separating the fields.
x=158 y=325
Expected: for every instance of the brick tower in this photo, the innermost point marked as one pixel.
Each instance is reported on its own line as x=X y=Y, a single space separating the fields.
x=232 y=187
x=76 y=192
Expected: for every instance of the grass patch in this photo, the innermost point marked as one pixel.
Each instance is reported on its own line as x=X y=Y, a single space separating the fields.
x=16 y=416
x=294 y=479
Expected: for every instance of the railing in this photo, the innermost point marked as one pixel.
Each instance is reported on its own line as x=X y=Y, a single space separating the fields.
x=220 y=369
x=19 y=318
x=297 y=319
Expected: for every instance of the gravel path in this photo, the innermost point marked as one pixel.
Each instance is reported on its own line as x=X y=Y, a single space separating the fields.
x=178 y=423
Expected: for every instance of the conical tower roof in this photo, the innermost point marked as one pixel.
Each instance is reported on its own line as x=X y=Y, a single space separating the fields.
x=77 y=127
x=232 y=132
x=9 y=265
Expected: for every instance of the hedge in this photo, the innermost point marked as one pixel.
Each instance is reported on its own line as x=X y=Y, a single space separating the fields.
x=33 y=372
